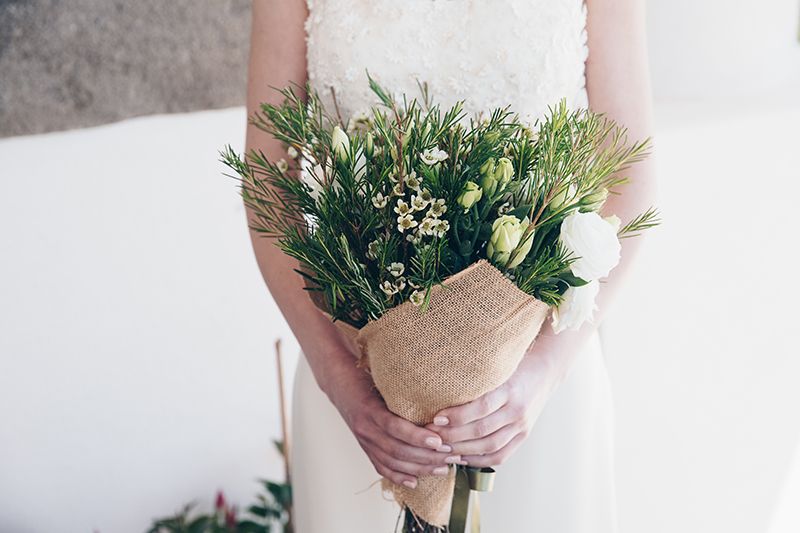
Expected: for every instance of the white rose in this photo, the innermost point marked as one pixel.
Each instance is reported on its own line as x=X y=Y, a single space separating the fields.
x=578 y=307
x=594 y=243
x=615 y=222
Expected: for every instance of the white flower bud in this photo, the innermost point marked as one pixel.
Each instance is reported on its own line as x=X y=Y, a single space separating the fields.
x=340 y=143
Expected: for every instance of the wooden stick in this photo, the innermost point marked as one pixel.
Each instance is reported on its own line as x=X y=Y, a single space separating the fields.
x=284 y=414
x=286 y=448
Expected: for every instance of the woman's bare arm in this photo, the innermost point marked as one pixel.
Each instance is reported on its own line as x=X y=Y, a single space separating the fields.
x=487 y=431
x=277 y=59
x=618 y=84
x=399 y=450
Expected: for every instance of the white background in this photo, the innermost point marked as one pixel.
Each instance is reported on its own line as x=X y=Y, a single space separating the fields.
x=136 y=360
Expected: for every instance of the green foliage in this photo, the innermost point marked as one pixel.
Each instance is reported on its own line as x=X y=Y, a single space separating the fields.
x=648 y=219
x=268 y=514
x=386 y=193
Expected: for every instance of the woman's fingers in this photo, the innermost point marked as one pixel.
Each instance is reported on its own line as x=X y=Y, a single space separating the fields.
x=498 y=457
x=403 y=430
x=409 y=468
x=487 y=445
x=398 y=478
x=474 y=410
x=413 y=454
x=480 y=428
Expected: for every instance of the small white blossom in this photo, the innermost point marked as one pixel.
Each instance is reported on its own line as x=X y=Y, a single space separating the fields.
x=388 y=288
x=405 y=222
x=402 y=208
x=412 y=181
x=441 y=227
x=372 y=249
x=426 y=195
x=427 y=226
x=417 y=298
x=282 y=165
x=438 y=208
x=400 y=283
x=417 y=203
x=414 y=238
x=431 y=156
x=292 y=152
x=397 y=190
x=396 y=269
x=394 y=178
x=360 y=121
x=504 y=209
x=380 y=201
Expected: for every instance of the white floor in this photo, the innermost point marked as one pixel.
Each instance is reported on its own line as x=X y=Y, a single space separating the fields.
x=136 y=368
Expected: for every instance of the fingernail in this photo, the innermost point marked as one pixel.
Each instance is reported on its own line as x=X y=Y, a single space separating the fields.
x=411 y=484
x=444 y=448
x=453 y=459
x=441 y=421
x=440 y=471
x=433 y=442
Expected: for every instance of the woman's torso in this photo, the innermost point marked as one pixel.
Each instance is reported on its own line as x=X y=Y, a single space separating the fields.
x=528 y=54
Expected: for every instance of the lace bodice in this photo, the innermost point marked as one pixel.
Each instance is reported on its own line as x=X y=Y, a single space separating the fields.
x=491 y=53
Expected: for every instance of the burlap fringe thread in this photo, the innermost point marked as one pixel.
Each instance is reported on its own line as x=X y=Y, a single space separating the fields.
x=469 y=341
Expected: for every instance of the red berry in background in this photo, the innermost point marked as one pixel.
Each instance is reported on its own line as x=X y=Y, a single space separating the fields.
x=220 y=503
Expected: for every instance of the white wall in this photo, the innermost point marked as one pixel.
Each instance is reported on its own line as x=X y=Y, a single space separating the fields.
x=136 y=359
x=702 y=346
x=704 y=50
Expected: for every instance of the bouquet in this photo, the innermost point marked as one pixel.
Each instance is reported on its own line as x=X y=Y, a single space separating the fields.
x=441 y=242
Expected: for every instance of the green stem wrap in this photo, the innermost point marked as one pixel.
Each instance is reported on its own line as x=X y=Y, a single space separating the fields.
x=469 y=482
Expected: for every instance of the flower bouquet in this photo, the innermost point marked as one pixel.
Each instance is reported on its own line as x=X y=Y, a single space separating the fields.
x=440 y=242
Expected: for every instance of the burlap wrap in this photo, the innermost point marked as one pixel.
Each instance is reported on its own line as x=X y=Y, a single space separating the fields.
x=468 y=342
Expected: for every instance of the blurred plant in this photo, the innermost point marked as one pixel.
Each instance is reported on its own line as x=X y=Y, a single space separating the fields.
x=268 y=514
x=271 y=512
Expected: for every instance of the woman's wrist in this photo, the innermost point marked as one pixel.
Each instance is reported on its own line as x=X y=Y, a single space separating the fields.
x=340 y=378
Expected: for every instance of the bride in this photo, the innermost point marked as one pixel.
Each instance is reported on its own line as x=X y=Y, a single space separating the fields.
x=548 y=429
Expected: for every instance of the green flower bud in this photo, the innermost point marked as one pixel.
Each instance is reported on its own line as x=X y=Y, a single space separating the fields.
x=594 y=201
x=369 y=145
x=340 y=143
x=504 y=171
x=489 y=185
x=488 y=167
x=507 y=231
x=567 y=195
x=470 y=195
x=523 y=249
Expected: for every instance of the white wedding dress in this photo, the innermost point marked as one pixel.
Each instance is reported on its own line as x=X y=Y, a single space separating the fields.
x=490 y=53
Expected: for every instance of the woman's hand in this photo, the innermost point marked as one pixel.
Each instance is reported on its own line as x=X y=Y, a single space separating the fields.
x=486 y=431
x=399 y=450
